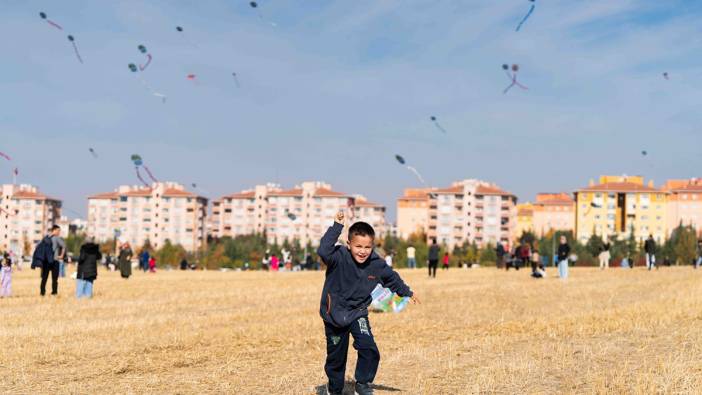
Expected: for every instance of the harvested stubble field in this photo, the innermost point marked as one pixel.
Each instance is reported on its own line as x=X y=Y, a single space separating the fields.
x=477 y=331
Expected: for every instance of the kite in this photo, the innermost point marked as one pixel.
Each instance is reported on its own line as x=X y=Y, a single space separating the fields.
x=236 y=80
x=665 y=75
x=436 y=123
x=290 y=215
x=133 y=68
x=138 y=162
x=512 y=76
x=384 y=300
x=92 y=152
x=401 y=160
x=531 y=9
x=185 y=38
x=75 y=48
x=644 y=153
x=49 y=21
x=254 y=5
x=143 y=50
x=6 y=156
x=191 y=77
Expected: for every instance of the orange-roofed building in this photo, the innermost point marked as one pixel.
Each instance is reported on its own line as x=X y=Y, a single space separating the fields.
x=26 y=215
x=525 y=219
x=302 y=213
x=553 y=211
x=467 y=211
x=619 y=204
x=684 y=203
x=163 y=211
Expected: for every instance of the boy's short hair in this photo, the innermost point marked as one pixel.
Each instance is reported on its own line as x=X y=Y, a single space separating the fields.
x=55 y=227
x=361 y=229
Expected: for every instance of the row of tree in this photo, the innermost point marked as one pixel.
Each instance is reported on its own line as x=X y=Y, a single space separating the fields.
x=237 y=252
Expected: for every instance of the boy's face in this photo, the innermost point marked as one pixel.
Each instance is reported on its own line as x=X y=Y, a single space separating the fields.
x=361 y=247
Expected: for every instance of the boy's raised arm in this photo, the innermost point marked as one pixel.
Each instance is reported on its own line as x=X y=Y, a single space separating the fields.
x=327 y=246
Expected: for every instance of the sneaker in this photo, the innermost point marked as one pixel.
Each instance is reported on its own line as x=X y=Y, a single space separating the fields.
x=329 y=392
x=363 y=389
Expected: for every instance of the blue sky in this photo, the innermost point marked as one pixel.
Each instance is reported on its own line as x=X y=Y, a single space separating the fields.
x=339 y=87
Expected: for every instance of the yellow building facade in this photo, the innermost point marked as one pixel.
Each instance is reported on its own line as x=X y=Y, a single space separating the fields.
x=618 y=205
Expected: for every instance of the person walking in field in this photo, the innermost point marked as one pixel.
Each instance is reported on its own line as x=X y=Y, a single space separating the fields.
x=6 y=277
x=500 y=252
x=411 y=257
x=445 y=261
x=152 y=265
x=563 y=253
x=275 y=263
x=650 y=249
x=353 y=271
x=698 y=261
x=433 y=258
x=604 y=256
x=86 y=270
x=46 y=256
x=125 y=260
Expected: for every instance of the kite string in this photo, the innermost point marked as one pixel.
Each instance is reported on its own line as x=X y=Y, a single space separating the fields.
x=416 y=173
x=150 y=175
x=148 y=62
x=526 y=17
x=139 y=176
x=75 y=48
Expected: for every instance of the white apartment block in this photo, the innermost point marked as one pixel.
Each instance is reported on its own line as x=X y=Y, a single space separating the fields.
x=164 y=211
x=302 y=213
x=469 y=210
x=26 y=215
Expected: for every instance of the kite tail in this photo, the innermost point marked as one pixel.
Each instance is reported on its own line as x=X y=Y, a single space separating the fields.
x=140 y=178
x=508 y=88
x=526 y=17
x=75 y=48
x=4 y=155
x=440 y=128
x=54 y=24
x=148 y=62
x=416 y=173
x=150 y=175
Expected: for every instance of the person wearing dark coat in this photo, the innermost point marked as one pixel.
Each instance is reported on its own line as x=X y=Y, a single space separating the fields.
x=87 y=269
x=125 y=260
x=650 y=248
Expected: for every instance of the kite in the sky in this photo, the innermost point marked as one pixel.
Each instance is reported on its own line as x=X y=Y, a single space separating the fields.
x=75 y=48
x=185 y=38
x=133 y=68
x=402 y=161
x=236 y=80
x=6 y=156
x=191 y=77
x=92 y=152
x=531 y=9
x=143 y=50
x=436 y=123
x=512 y=76
x=254 y=5
x=49 y=21
x=665 y=75
x=644 y=153
x=138 y=163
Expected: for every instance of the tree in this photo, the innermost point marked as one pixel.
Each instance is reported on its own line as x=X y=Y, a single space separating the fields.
x=169 y=254
x=685 y=244
x=488 y=256
x=73 y=243
x=594 y=244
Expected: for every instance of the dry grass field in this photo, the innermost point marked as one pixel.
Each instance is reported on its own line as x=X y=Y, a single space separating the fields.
x=477 y=331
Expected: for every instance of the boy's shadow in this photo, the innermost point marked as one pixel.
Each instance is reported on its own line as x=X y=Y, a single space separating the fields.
x=348 y=388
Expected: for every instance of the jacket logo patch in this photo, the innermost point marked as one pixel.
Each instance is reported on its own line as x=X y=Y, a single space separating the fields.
x=371 y=277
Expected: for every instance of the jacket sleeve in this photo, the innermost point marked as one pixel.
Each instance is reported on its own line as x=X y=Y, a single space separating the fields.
x=81 y=257
x=392 y=280
x=328 y=250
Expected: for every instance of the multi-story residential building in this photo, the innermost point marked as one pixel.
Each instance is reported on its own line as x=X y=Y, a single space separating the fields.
x=684 y=203
x=163 y=211
x=618 y=205
x=302 y=213
x=553 y=211
x=525 y=219
x=469 y=210
x=26 y=215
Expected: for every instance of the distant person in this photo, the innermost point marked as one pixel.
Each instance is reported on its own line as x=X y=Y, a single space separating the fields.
x=698 y=261
x=46 y=256
x=563 y=253
x=500 y=253
x=86 y=269
x=125 y=260
x=345 y=300
x=537 y=267
x=433 y=258
x=265 y=261
x=650 y=249
x=525 y=254
x=184 y=264
x=152 y=265
x=309 y=262
x=388 y=259
x=411 y=257
x=275 y=263
x=604 y=256
x=445 y=261
x=6 y=277
x=144 y=260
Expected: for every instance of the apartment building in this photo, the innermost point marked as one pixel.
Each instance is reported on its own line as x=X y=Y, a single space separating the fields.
x=467 y=211
x=619 y=204
x=163 y=211
x=684 y=203
x=302 y=213
x=26 y=215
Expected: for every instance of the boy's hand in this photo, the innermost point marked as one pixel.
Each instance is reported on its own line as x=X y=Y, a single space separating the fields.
x=339 y=217
x=414 y=298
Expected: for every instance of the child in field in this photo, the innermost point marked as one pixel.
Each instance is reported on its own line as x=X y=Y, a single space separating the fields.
x=6 y=277
x=352 y=274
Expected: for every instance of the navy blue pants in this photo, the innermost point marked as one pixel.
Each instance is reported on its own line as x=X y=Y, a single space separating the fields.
x=338 y=348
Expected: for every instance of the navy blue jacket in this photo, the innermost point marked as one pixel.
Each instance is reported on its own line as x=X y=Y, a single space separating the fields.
x=348 y=285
